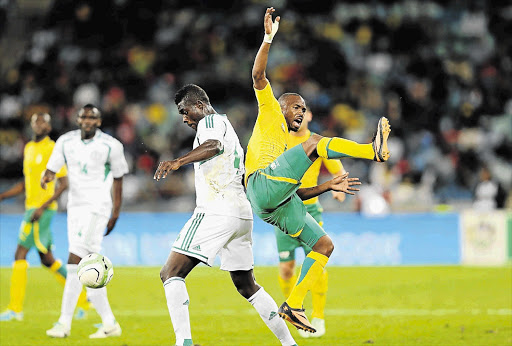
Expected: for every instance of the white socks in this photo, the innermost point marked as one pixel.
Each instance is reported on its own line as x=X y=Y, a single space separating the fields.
x=98 y=298
x=177 y=303
x=267 y=308
x=72 y=290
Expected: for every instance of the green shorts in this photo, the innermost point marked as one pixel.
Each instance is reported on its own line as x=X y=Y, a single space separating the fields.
x=286 y=245
x=272 y=192
x=36 y=234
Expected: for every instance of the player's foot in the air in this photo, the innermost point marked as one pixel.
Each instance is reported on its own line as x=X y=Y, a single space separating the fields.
x=297 y=317
x=319 y=325
x=380 y=141
x=9 y=315
x=107 y=331
x=59 y=330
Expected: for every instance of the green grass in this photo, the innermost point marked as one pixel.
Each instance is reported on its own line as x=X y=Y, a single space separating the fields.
x=366 y=305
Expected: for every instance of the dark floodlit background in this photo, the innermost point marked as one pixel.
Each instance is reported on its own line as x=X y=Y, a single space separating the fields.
x=441 y=71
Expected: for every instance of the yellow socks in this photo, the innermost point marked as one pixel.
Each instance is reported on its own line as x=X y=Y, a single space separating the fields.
x=311 y=270
x=59 y=271
x=18 y=285
x=319 y=296
x=337 y=148
x=287 y=285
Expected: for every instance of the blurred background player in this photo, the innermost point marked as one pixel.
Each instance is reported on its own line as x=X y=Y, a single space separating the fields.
x=95 y=162
x=222 y=220
x=286 y=245
x=274 y=173
x=40 y=206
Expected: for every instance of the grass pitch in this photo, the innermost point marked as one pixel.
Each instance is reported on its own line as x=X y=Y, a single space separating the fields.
x=365 y=305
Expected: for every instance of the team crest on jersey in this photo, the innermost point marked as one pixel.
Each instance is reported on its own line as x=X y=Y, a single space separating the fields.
x=274 y=164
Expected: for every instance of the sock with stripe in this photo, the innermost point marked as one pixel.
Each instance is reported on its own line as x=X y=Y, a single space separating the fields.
x=311 y=270
x=18 y=285
x=287 y=285
x=337 y=148
x=319 y=296
x=177 y=304
x=72 y=290
x=99 y=299
x=267 y=308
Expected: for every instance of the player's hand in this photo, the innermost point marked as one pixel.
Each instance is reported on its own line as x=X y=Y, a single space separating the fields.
x=267 y=21
x=339 y=196
x=165 y=167
x=36 y=215
x=45 y=180
x=111 y=224
x=344 y=184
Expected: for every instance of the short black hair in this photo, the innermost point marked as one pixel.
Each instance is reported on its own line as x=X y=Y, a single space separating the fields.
x=191 y=93
x=95 y=110
x=284 y=96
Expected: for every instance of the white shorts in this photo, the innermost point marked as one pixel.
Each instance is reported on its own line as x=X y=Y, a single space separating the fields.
x=205 y=236
x=85 y=231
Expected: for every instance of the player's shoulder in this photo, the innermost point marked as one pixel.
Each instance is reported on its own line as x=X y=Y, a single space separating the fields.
x=108 y=139
x=210 y=120
x=74 y=134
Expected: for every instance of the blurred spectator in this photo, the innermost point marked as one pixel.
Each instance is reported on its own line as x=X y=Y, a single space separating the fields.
x=440 y=71
x=489 y=194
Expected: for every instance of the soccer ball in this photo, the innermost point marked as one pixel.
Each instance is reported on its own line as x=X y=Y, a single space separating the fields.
x=95 y=270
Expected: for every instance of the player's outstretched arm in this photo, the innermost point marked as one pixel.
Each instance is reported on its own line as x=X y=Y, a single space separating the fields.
x=62 y=185
x=342 y=184
x=260 y=63
x=47 y=177
x=205 y=151
x=13 y=191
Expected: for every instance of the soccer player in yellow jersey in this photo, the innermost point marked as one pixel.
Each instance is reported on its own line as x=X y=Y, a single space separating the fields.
x=40 y=206
x=287 y=245
x=273 y=174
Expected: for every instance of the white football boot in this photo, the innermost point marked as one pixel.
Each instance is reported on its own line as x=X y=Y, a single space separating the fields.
x=59 y=330
x=107 y=331
x=319 y=325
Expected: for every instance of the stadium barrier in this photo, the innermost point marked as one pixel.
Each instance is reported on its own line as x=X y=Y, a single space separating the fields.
x=397 y=239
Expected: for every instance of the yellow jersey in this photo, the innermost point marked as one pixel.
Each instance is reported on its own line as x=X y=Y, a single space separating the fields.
x=310 y=178
x=35 y=158
x=269 y=137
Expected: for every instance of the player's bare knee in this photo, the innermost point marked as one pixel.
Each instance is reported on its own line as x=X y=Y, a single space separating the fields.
x=286 y=269
x=324 y=246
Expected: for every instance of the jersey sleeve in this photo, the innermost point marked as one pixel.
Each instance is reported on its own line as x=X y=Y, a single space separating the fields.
x=333 y=166
x=211 y=127
x=267 y=103
x=118 y=164
x=62 y=172
x=57 y=158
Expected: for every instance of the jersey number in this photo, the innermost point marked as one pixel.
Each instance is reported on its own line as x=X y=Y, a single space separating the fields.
x=83 y=168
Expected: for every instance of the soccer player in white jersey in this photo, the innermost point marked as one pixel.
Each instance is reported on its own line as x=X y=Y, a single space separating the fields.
x=95 y=162
x=222 y=221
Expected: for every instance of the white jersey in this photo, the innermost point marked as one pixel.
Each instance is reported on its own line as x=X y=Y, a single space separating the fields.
x=219 y=188
x=92 y=166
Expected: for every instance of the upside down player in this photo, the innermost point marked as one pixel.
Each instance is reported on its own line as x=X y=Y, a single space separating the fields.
x=274 y=173
x=41 y=206
x=222 y=221
x=287 y=245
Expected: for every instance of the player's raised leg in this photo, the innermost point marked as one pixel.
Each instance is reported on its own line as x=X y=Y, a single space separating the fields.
x=332 y=148
x=173 y=275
